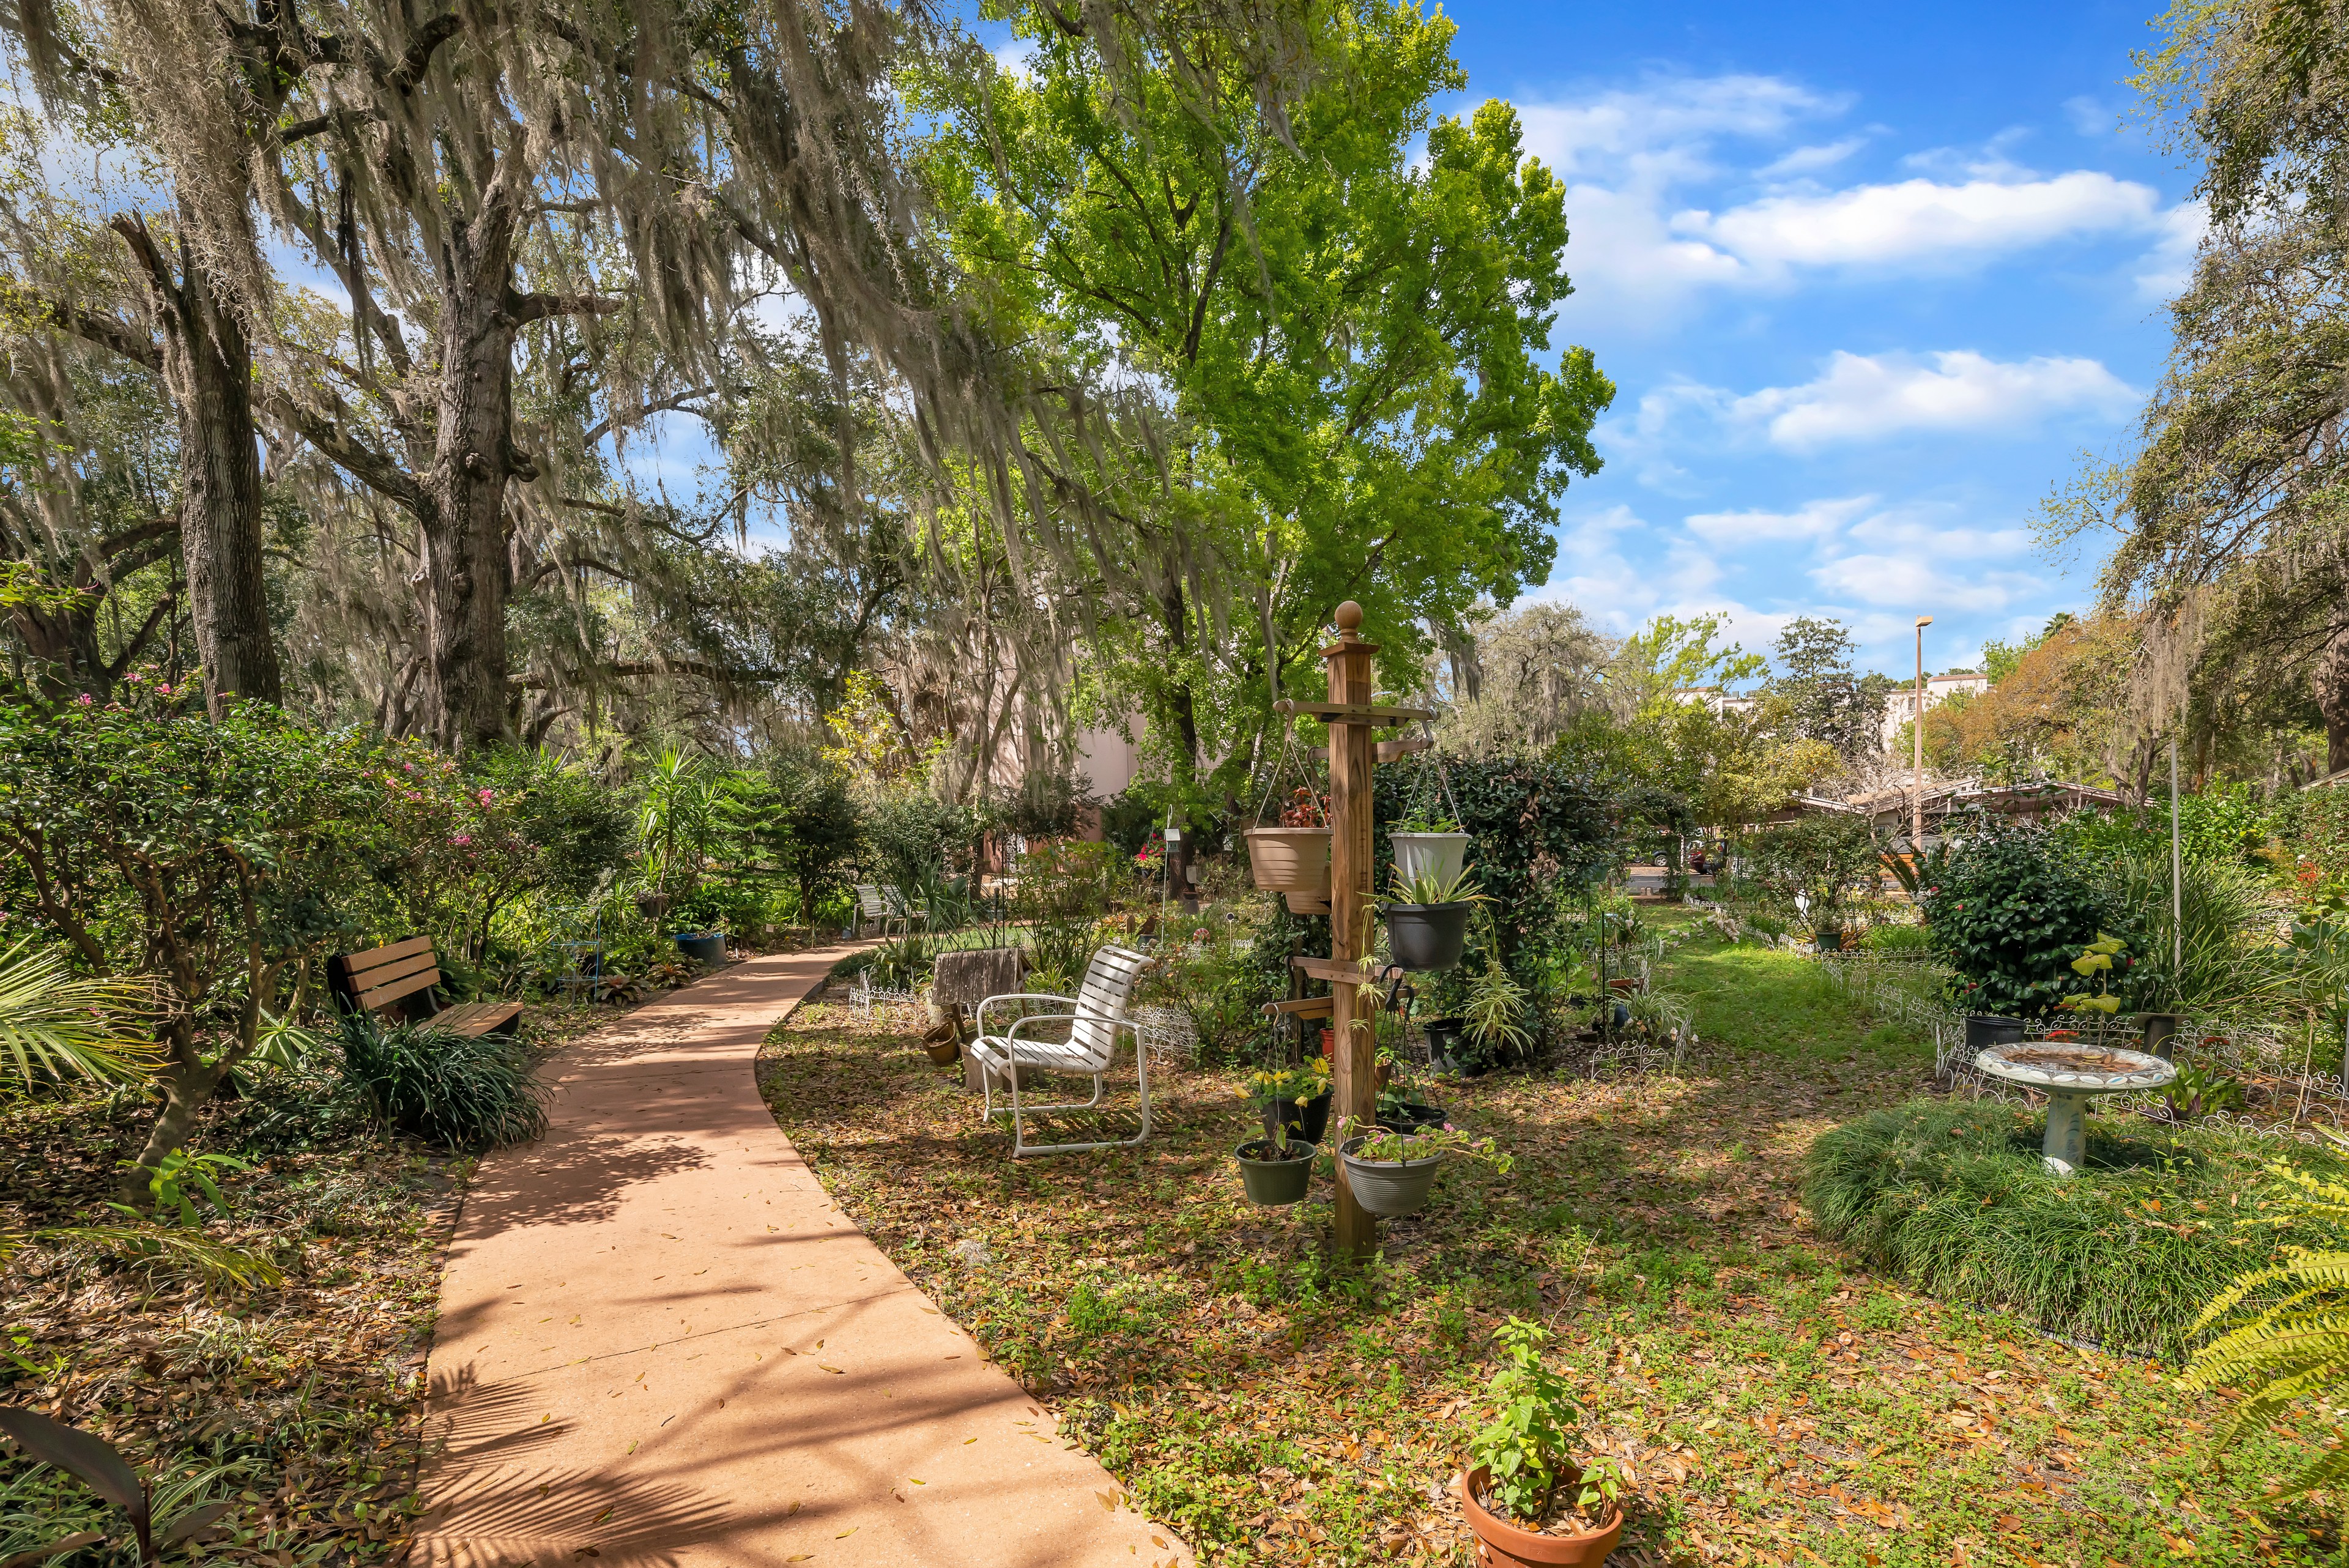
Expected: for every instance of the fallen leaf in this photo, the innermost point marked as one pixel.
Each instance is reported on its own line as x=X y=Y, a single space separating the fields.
x=828 y=1367
x=847 y=1532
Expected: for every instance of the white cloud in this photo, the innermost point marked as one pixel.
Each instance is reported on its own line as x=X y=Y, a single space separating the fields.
x=1920 y=222
x=1668 y=123
x=2089 y=117
x=1817 y=521
x=1913 y=581
x=2168 y=266
x=1811 y=160
x=1868 y=397
x=1858 y=397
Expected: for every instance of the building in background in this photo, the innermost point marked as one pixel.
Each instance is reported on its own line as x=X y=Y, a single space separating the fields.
x=1901 y=705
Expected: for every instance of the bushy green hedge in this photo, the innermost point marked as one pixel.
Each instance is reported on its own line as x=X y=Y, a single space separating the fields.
x=1953 y=1198
x=2011 y=912
x=466 y=1095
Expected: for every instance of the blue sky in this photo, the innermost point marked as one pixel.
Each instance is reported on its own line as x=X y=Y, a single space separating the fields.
x=1869 y=280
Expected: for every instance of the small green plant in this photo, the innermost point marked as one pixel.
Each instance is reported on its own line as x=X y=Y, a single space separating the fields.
x=1431 y=1143
x=2098 y=958
x=1497 y=1007
x=2297 y=1346
x=2199 y=1092
x=1525 y=1450
x=1427 y=888
x=1425 y=819
x=100 y=1467
x=1271 y=1088
x=168 y=1179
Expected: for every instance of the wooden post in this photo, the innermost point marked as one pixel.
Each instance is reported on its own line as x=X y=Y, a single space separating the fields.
x=1353 y=1096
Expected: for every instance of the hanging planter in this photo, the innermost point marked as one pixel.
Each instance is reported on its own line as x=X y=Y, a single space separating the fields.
x=1427 y=936
x=1438 y=855
x=1290 y=859
x=1389 y=1187
x=1308 y=1123
x=1275 y=1175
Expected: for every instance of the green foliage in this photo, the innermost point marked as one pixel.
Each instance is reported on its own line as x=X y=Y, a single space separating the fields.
x=1496 y=1011
x=1428 y=887
x=1905 y=942
x=819 y=818
x=2011 y=911
x=2289 y=1342
x=55 y=1025
x=2233 y=955
x=1527 y=1445
x=462 y=1093
x=170 y=1180
x=1955 y=1200
x=1830 y=859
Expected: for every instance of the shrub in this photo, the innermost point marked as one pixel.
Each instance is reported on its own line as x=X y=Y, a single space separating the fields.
x=2012 y=912
x=212 y=860
x=1954 y=1199
x=1903 y=941
x=1824 y=859
x=466 y=1095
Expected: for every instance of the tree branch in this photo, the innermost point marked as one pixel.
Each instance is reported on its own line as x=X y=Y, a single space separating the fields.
x=528 y=307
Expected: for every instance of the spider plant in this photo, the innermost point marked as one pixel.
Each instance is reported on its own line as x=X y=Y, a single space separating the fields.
x=1429 y=888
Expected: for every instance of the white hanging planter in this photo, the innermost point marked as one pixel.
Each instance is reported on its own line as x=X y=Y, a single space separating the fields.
x=1440 y=856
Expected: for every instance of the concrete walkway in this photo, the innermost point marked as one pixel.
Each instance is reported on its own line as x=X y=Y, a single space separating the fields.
x=661 y=1342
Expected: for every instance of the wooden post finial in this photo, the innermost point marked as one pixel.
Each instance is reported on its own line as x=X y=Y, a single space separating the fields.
x=1349 y=618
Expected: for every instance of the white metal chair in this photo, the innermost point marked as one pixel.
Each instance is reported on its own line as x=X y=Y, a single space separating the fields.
x=1096 y=1013
x=906 y=912
x=872 y=911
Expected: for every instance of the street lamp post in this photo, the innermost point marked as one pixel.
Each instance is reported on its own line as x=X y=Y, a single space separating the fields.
x=1917 y=778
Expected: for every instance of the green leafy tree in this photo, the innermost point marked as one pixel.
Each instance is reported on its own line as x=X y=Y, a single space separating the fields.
x=1327 y=352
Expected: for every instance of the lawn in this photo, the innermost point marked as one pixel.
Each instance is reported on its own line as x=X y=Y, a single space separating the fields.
x=1775 y=1402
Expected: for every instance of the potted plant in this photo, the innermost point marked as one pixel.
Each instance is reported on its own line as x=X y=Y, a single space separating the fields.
x=1427 y=919
x=1277 y=1168
x=1389 y=1172
x=1429 y=844
x=1295 y=856
x=1528 y=1500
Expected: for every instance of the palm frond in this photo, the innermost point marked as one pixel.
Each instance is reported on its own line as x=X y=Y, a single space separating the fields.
x=217 y=1261
x=55 y=1024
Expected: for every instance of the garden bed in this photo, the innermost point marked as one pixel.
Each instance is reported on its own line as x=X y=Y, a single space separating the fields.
x=1776 y=1403
x=300 y=1402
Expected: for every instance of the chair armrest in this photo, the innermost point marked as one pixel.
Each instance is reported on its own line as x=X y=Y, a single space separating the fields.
x=1111 y=1019
x=978 y=1013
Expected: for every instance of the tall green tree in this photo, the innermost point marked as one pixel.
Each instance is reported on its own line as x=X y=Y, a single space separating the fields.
x=1291 y=364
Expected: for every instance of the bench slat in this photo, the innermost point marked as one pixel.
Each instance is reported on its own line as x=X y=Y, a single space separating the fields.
x=392 y=973
x=360 y=966
x=476 y=1017
x=392 y=991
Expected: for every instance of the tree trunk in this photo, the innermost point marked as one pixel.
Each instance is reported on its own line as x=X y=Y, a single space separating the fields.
x=466 y=569
x=208 y=372
x=2333 y=699
x=188 y=1083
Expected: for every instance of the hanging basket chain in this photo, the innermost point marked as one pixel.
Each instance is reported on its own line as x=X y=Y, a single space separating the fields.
x=1281 y=771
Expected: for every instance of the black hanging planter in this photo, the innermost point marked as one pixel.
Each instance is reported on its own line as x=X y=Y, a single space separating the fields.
x=1424 y=936
x=1985 y=1030
x=1306 y=1122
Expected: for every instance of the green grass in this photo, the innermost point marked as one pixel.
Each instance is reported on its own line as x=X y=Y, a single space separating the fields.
x=1778 y=1404
x=1953 y=1198
x=1768 y=999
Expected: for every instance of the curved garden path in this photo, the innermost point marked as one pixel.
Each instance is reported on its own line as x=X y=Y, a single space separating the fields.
x=661 y=1342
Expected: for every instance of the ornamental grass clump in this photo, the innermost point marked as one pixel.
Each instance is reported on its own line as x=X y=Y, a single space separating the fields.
x=467 y=1095
x=1955 y=1200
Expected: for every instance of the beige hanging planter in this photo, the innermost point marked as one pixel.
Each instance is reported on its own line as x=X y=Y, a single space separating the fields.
x=1290 y=859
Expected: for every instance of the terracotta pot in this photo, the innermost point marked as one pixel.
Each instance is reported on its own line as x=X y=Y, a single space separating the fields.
x=1290 y=859
x=1502 y=1544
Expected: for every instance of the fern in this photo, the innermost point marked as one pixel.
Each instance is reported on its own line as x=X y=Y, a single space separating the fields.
x=2295 y=1346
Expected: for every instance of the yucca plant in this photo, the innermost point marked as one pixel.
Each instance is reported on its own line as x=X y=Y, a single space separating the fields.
x=2296 y=1346
x=55 y=1024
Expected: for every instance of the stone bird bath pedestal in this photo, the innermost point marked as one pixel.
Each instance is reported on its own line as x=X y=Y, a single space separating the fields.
x=2070 y=1074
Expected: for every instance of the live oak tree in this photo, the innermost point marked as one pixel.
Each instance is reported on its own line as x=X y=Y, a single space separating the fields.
x=2234 y=548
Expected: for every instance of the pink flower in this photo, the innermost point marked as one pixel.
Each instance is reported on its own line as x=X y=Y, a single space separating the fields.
x=85 y=700
x=462 y=839
x=134 y=678
x=488 y=796
x=163 y=688
x=409 y=766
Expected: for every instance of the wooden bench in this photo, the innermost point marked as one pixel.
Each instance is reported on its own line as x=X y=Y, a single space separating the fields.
x=400 y=979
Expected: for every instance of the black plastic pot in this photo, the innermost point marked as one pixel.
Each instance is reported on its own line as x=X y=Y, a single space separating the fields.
x=1308 y=1121
x=2159 y=1029
x=705 y=947
x=1827 y=938
x=1273 y=1182
x=1985 y=1030
x=1427 y=936
x=1411 y=1117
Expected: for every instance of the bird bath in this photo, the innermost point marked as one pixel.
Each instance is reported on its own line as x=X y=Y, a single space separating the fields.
x=2071 y=1074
